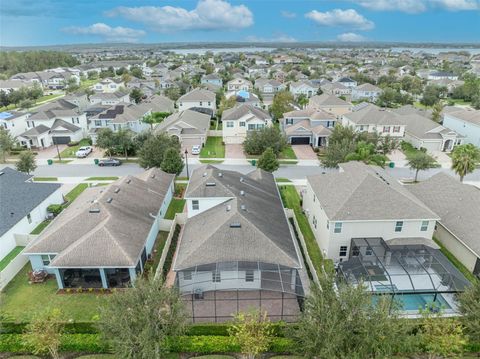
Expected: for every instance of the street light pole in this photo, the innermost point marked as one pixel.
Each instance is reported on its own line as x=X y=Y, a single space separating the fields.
x=186 y=162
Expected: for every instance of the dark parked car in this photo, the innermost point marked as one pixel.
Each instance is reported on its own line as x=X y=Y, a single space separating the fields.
x=109 y=162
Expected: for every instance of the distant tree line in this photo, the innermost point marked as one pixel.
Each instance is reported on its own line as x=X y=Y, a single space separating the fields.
x=13 y=62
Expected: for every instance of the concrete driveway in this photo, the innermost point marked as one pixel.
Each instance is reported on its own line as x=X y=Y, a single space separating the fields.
x=442 y=158
x=49 y=152
x=304 y=152
x=234 y=151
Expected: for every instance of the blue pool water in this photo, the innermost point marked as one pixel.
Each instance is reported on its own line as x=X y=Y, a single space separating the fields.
x=418 y=301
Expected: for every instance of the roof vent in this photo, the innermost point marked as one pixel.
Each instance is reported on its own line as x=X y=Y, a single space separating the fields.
x=204 y=174
x=128 y=181
x=229 y=208
x=94 y=210
x=210 y=184
x=235 y=225
x=117 y=190
x=242 y=193
x=220 y=174
x=241 y=179
x=109 y=200
x=1 y=173
x=152 y=176
x=243 y=207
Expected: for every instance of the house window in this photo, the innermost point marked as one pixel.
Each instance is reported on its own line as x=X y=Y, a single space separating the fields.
x=29 y=218
x=343 y=251
x=229 y=124
x=47 y=258
x=424 y=226
x=195 y=205
x=216 y=277
x=355 y=251
x=368 y=251
x=396 y=129
x=361 y=128
x=251 y=127
x=289 y=121
x=242 y=123
x=209 y=103
x=314 y=221
x=398 y=226
x=249 y=276
x=98 y=123
x=313 y=198
x=260 y=126
x=201 y=103
x=187 y=275
x=386 y=129
x=338 y=227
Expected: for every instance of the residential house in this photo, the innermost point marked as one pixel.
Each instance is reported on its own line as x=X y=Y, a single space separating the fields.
x=373 y=119
x=465 y=122
x=367 y=92
x=104 y=238
x=337 y=89
x=148 y=87
x=239 y=254
x=442 y=75
x=242 y=118
x=379 y=234
x=330 y=103
x=198 y=99
x=109 y=85
x=268 y=86
x=303 y=87
x=57 y=122
x=458 y=206
x=347 y=81
x=213 y=79
x=14 y=122
x=189 y=126
x=239 y=84
x=110 y=98
x=8 y=86
x=308 y=127
x=24 y=207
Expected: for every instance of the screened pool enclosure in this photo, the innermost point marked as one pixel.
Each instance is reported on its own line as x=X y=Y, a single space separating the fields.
x=414 y=274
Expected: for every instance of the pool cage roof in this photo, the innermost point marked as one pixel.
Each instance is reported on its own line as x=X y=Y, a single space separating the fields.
x=400 y=269
x=233 y=276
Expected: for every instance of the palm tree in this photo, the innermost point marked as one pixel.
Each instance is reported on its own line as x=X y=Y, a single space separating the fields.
x=464 y=159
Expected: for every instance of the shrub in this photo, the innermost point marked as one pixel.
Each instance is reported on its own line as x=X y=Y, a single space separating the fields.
x=55 y=209
x=171 y=251
x=73 y=143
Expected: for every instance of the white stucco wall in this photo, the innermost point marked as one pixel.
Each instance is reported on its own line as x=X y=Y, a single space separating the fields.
x=204 y=204
x=456 y=247
x=467 y=129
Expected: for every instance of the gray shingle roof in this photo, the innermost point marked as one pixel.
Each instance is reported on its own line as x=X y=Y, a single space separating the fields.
x=362 y=192
x=114 y=237
x=457 y=204
x=193 y=119
x=373 y=115
x=326 y=100
x=264 y=234
x=243 y=109
x=18 y=198
x=198 y=94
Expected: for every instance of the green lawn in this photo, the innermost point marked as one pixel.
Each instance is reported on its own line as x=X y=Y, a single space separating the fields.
x=45 y=179
x=47 y=98
x=214 y=148
x=10 y=257
x=87 y=83
x=176 y=206
x=211 y=161
x=21 y=300
x=113 y=178
x=62 y=162
x=158 y=248
x=69 y=152
x=455 y=261
x=285 y=162
x=74 y=193
x=287 y=154
x=38 y=229
x=280 y=179
x=291 y=199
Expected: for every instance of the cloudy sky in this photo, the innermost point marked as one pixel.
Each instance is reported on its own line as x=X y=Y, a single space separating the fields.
x=48 y=22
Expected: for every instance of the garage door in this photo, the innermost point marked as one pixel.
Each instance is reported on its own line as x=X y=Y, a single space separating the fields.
x=63 y=140
x=300 y=140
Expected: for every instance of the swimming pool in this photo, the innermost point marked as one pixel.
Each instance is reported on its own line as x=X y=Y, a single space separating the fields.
x=419 y=301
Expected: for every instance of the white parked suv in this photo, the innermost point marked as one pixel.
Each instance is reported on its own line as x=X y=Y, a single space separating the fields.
x=83 y=151
x=196 y=150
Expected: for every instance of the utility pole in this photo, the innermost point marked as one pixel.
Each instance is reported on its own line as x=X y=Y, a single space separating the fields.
x=186 y=162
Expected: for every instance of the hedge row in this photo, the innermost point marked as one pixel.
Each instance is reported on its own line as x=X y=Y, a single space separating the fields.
x=92 y=343
x=91 y=328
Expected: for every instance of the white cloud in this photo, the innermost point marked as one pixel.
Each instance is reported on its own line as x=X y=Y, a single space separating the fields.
x=418 y=6
x=115 y=34
x=350 y=37
x=207 y=15
x=279 y=38
x=288 y=14
x=349 y=18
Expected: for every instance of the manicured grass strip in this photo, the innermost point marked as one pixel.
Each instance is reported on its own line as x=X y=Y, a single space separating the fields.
x=9 y=257
x=181 y=178
x=455 y=262
x=288 y=154
x=176 y=206
x=62 y=162
x=74 y=193
x=291 y=199
x=280 y=179
x=211 y=161
x=285 y=162
x=69 y=152
x=45 y=179
x=214 y=148
x=38 y=229
x=113 y=178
